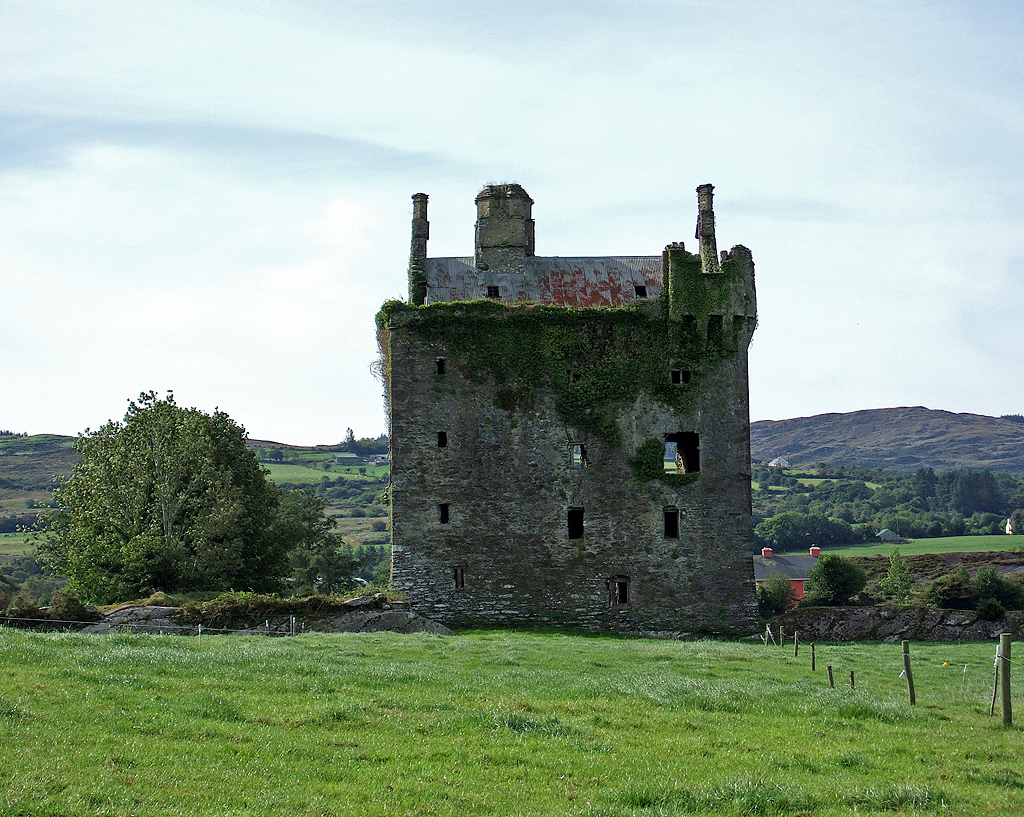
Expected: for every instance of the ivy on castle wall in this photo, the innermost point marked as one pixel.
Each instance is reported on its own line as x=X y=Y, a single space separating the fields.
x=591 y=358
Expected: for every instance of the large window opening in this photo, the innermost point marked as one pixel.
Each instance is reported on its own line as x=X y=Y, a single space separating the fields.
x=671 y=523
x=493 y=292
x=682 y=453
x=640 y=290
x=575 y=520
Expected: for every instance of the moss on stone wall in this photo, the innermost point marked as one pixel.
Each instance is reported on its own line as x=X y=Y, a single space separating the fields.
x=591 y=359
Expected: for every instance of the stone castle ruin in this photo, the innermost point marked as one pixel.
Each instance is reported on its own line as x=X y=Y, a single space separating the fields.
x=570 y=437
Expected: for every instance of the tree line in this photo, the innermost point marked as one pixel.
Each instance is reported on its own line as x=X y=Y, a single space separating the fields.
x=850 y=505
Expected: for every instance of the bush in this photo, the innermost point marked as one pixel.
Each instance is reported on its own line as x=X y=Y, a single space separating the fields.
x=834 y=581
x=23 y=606
x=954 y=591
x=66 y=606
x=379 y=525
x=775 y=595
x=989 y=585
x=991 y=610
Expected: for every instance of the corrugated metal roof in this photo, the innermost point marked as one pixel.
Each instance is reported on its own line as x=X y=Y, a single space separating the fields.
x=579 y=282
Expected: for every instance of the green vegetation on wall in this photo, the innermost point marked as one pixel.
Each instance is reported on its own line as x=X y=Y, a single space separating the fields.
x=591 y=358
x=649 y=464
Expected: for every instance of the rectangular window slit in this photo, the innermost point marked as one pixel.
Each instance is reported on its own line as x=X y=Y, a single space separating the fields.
x=442 y=513
x=459 y=577
x=671 y=523
x=440 y=365
x=442 y=439
x=640 y=290
x=575 y=519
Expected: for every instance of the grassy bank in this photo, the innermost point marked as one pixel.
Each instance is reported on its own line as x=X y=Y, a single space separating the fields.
x=495 y=723
x=946 y=544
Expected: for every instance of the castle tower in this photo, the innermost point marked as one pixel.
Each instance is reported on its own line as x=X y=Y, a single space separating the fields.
x=706 y=229
x=418 y=251
x=504 y=228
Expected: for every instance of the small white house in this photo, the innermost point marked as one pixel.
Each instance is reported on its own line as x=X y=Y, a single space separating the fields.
x=779 y=462
x=887 y=536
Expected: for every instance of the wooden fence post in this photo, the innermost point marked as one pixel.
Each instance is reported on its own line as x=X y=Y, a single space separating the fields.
x=813 y=667
x=851 y=680
x=796 y=647
x=831 y=680
x=906 y=669
x=1005 y=639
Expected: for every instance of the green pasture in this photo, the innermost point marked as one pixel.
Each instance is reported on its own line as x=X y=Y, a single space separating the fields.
x=300 y=475
x=496 y=723
x=14 y=544
x=945 y=544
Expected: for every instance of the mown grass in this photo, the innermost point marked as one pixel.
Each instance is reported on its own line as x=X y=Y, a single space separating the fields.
x=494 y=723
x=945 y=544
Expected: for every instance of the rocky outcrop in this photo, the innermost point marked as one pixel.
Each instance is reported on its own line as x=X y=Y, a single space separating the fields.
x=896 y=624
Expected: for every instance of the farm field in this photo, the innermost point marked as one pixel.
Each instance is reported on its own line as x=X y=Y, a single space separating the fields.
x=496 y=723
x=945 y=544
x=14 y=544
x=301 y=475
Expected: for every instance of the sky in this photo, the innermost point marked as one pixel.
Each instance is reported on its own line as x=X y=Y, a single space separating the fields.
x=214 y=198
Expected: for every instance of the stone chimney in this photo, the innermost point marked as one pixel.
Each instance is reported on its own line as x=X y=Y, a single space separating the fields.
x=504 y=228
x=706 y=229
x=418 y=251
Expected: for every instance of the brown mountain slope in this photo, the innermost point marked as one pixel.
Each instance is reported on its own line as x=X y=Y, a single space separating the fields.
x=895 y=439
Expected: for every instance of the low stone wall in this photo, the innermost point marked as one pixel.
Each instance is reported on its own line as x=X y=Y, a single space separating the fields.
x=895 y=624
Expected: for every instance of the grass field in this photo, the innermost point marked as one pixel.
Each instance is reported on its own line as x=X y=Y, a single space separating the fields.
x=946 y=544
x=300 y=475
x=14 y=544
x=495 y=723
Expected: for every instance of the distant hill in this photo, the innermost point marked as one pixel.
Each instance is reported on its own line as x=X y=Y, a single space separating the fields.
x=894 y=439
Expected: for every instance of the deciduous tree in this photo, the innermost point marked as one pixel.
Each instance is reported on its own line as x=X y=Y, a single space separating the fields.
x=169 y=499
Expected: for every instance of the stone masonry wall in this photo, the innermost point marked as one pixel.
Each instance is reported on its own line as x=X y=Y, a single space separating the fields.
x=507 y=480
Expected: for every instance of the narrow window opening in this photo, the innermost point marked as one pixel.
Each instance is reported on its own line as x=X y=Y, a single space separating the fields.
x=575 y=519
x=442 y=439
x=440 y=365
x=493 y=292
x=618 y=591
x=671 y=523
x=640 y=290
x=578 y=456
x=443 y=514
x=459 y=577
x=682 y=453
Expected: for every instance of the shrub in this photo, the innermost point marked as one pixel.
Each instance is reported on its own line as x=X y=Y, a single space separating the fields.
x=23 y=606
x=66 y=606
x=834 y=581
x=989 y=585
x=953 y=591
x=775 y=595
x=991 y=610
x=379 y=525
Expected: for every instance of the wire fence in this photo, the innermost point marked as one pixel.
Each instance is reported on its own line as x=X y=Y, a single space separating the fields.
x=141 y=627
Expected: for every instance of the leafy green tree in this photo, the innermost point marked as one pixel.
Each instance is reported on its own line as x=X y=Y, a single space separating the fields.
x=319 y=561
x=834 y=581
x=899 y=580
x=168 y=499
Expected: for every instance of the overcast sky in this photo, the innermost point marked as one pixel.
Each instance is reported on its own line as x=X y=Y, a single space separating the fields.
x=214 y=197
